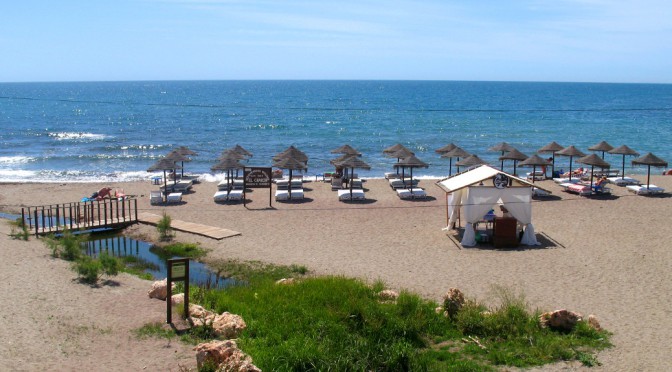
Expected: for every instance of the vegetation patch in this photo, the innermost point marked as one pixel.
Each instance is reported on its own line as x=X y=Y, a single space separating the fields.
x=187 y=250
x=337 y=323
x=19 y=230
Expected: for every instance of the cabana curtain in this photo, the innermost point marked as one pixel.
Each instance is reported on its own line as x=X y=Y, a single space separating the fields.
x=479 y=200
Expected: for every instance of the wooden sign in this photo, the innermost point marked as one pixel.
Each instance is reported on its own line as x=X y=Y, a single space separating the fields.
x=178 y=271
x=257 y=177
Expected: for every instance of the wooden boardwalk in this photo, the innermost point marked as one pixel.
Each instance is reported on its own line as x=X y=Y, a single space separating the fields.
x=193 y=228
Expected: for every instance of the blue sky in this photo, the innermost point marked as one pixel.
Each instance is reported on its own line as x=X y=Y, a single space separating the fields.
x=560 y=40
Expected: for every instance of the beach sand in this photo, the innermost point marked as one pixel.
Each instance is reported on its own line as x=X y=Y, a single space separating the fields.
x=604 y=256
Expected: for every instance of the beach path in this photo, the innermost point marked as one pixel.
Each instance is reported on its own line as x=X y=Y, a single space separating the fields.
x=190 y=227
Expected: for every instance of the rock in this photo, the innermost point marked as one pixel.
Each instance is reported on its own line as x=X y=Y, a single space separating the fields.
x=453 y=301
x=160 y=289
x=177 y=299
x=228 y=325
x=199 y=316
x=388 y=295
x=594 y=323
x=285 y=281
x=560 y=319
x=225 y=356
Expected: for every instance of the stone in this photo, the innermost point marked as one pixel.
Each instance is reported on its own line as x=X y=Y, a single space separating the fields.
x=388 y=295
x=199 y=316
x=594 y=323
x=228 y=325
x=285 y=281
x=225 y=356
x=177 y=299
x=160 y=289
x=560 y=319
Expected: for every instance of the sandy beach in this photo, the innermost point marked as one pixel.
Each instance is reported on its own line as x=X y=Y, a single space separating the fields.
x=605 y=256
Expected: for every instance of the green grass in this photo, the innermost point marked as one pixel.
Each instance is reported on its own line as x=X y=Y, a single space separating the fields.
x=337 y=323
x=256 y=271
x=136 y=266
x=187 y=250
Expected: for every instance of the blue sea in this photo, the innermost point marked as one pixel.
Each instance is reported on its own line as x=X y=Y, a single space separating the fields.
x=114 y=131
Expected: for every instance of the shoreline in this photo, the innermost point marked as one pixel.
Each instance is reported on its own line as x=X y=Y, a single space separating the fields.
x=613 y=259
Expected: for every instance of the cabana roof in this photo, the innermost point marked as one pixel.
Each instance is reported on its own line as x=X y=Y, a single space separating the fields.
x=475 y=176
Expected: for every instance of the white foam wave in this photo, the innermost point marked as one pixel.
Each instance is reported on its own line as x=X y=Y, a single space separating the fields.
x=60 y=136
x=15 y=159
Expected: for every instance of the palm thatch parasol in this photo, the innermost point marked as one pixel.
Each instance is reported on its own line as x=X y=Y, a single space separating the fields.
x=514 y=155
x=346 y=149
x=239 y=149
x=623 y=150
x=164 y=164
x=352 y=161
x=594 y=161
x=447 y=148
x=395 y=148
x=227 y=164
x=457 y=152
x=291 y=164
x=411 y=162
x=603 y=146
x=503 y=147
x=534 y=161
x=294 y=153
x=650 y=160
x=185 y=151
x=572 y=152
x=470 y=161
x=175 y=156
x=553 y=148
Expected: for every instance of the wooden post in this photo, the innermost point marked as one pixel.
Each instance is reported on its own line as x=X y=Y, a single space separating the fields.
x=136 y=209
x=36 y=224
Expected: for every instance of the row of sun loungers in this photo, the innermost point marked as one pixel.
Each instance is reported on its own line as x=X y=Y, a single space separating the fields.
x=644 y=190
x=585 y=189
x=224 y=195
x=156 y=197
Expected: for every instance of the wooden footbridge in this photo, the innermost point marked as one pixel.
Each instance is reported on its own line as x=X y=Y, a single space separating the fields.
x=88 y=215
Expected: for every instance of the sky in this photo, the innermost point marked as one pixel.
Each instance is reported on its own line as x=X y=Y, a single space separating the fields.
x=486 y=40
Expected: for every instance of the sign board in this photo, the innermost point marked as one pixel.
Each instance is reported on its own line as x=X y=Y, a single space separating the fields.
x=178 y=271
x=258 y=177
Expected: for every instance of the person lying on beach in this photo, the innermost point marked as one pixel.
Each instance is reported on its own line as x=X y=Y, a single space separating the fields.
x=576 y=172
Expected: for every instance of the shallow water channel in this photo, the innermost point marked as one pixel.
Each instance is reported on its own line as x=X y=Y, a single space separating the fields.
x=145 y=253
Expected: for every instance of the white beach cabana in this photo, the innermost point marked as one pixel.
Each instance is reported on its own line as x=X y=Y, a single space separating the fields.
x=477 y=190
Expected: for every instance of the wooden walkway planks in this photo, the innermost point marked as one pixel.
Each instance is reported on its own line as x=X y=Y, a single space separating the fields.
x=190 y=227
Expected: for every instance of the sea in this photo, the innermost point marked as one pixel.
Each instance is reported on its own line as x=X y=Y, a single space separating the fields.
x=114 y=131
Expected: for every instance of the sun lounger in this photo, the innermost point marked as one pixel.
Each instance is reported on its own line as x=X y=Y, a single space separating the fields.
x=566 y=180
x=398 y=183
x=282 y=195
x=181 y=186
x=155 y=197
x=221 y=196
x=539 y=192
x=282 y=184
x=415 y=193
x=537 y=176
x=392 y=175
x=357 y=194
x=175 y=197
x=623 y=181
x=235 y=195
x=336 y=184
x=643 y=190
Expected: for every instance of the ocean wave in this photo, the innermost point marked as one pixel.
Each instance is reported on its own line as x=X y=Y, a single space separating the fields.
x=61 y=136
x=15 y=159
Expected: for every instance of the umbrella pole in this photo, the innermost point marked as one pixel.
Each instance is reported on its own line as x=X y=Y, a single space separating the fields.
x=450 y=167
x=457 y=166
x=165 y=187
x=591 y=177
x=514 y=167
x=182 y=170
x=570 y=169
x=648 y=177
x=411 y=180
x=289 y=187
x=623 y=169
x=351 y=172
x=553 y=166
x=501 y=167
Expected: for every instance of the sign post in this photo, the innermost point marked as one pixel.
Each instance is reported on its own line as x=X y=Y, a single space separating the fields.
x=178 y=271
x=258 y=178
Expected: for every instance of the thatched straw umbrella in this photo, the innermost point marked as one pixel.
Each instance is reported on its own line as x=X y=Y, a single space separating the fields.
x=164 y=164
x=594 y=161
x=572 y=152
x=411 y=162
x=227 y=164
x=514 y=155
x=185 y=151
x=553 y=148
x=346 y=149
x=291 y=164
x=503 y=147
x=534 y=161
x=470 y=161
x=352 y=162
x=603 y=146
x=447 y=148
x=650 y=160
x=457 y=152
x=176 y=156
x=239 y=149
x=623 y=150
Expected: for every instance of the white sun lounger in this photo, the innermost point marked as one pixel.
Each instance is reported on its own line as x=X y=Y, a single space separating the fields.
x=567 y=180
x=415 y=193
x=539 y=192
x=643 y=190
x=623 y=181
x=283 y=195
x=221 y=196
x=357 y=194
x=155 y=197
x=392 y=175
x=397 y=183
x=174 y=197
x=235 y=195
x=537 y=176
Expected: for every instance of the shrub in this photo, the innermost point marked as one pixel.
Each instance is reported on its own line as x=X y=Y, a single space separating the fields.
x=110 y=264
x=164 y=229
x=67 y=247
x=22 y=233
x=88 y=269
